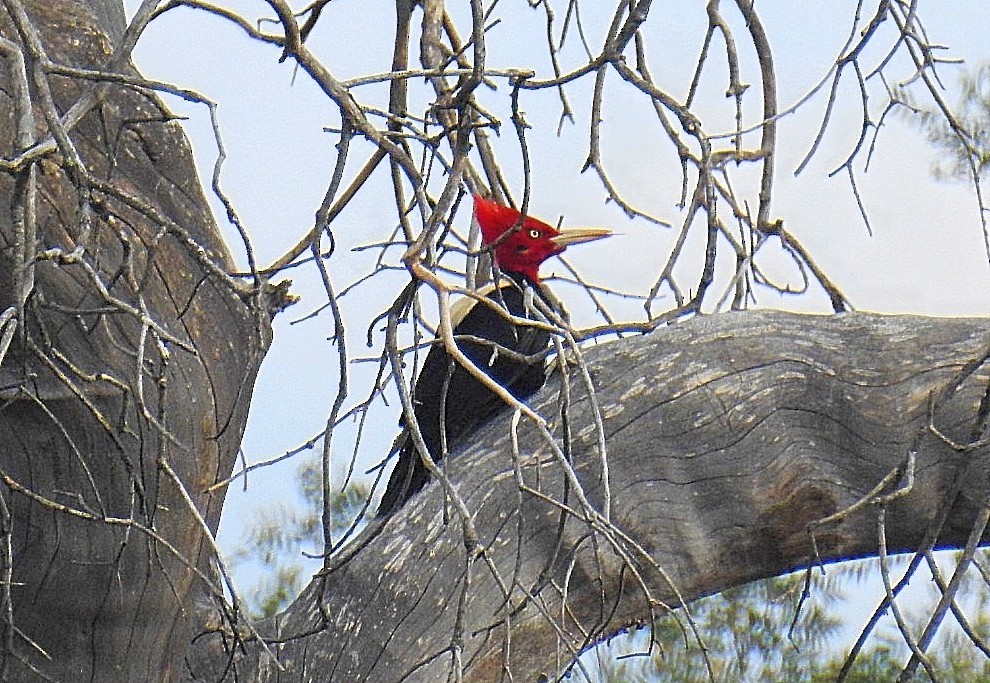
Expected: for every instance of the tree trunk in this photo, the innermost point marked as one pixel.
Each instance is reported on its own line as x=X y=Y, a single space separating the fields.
x=124 y=392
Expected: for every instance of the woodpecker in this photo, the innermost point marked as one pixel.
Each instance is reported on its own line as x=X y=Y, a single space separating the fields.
x=519 y=244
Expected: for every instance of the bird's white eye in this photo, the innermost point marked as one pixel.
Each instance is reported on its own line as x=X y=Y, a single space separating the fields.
x=534 y=234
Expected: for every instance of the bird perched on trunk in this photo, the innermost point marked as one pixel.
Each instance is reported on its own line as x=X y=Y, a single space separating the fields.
x=449 y=402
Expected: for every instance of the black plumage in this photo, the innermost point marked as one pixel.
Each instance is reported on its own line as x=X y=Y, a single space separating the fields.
x=466 y=401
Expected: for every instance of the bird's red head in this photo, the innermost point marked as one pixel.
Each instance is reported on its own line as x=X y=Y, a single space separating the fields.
x=531 y=244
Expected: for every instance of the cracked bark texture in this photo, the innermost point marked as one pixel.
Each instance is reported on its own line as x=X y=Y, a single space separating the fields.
x=104 y=549
x=727 y=436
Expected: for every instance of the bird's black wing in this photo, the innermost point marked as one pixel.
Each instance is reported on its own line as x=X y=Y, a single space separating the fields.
x=444 y=388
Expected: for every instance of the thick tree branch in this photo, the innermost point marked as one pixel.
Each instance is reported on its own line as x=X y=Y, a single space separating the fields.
x=728 y=436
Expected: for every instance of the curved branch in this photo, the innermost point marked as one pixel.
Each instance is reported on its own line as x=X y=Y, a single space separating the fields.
x=728 y=437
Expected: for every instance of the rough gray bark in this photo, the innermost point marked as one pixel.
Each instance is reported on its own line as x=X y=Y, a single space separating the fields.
x=727 y=436
x=109 y=402
x=109 y=16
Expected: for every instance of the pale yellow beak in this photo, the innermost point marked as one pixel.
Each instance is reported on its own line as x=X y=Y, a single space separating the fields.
x=578 y=235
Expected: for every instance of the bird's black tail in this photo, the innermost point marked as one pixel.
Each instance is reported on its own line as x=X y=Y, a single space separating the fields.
x=407 y=478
